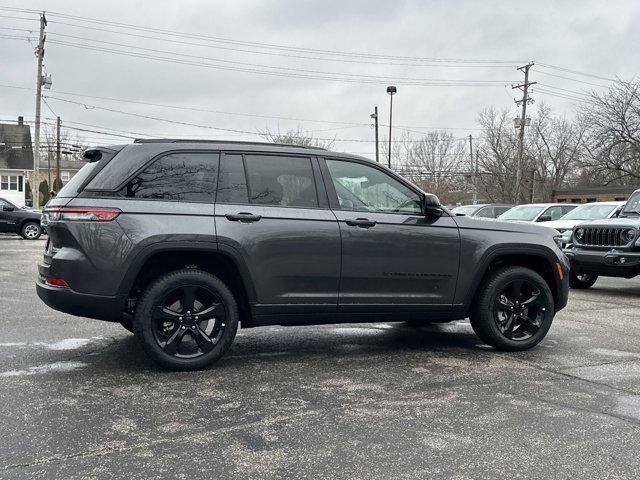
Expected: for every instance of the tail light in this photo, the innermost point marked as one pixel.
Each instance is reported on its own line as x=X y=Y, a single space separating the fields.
x=56 y=282
x=73 y=214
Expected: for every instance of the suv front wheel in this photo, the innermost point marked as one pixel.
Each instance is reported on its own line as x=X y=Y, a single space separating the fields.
x=513 y=309
x=186 y=320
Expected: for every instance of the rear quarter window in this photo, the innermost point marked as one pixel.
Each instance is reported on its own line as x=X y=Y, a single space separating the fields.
x=70 y=189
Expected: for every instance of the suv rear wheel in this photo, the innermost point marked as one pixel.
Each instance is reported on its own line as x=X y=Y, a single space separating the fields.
x=31 y=231
x=186 y=320
x=514 y=309
x=581 y=281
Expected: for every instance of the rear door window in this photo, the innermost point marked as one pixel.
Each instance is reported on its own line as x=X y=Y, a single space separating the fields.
x=183 y=176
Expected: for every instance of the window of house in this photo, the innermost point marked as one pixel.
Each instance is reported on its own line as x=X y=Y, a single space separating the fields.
x=11 y=182
x=363 y=188
x=189 y=177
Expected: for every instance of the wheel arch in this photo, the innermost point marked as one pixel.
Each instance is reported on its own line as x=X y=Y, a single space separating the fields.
x=221 y=261
x=539 y=258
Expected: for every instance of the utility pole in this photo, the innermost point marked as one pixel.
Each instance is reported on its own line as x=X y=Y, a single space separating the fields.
x=474 y=199
x=523 y=120
x=57 y=149
x=391 y=90
x=374 y=115
x=36 y=132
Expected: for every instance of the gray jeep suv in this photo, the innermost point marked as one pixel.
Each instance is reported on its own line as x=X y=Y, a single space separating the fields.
x=180 y=241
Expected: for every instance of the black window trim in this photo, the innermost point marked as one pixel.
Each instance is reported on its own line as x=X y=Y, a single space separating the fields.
x=334 y=204
x=323 y=203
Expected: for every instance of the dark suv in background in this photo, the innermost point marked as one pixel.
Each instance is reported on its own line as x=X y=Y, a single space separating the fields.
x=20 y=220
x=181 y=240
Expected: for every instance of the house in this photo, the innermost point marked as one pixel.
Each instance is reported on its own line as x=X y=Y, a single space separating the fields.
x=16 y=158
x=69 y=166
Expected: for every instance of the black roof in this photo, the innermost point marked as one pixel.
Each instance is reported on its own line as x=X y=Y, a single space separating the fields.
x=16 y=152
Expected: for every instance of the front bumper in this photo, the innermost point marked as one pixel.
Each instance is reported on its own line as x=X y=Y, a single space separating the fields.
x=612 y=263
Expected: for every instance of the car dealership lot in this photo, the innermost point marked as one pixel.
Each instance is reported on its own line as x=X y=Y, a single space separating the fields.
x=80 y=399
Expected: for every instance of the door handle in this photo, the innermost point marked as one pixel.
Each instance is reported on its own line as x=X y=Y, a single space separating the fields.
x=361 y=222
x=243 y=217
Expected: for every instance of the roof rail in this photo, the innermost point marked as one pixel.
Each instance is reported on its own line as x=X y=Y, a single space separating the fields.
x=227 y=142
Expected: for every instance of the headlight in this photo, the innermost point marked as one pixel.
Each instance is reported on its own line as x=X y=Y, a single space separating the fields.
x=629 y=235
x=578 y=234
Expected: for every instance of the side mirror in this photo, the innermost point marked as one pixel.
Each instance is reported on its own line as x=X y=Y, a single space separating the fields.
x=431 y=206
x=7 y=208
x=545 y=218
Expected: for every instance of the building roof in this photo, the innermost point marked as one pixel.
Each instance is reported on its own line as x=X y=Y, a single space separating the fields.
x=595 y=190
x=16 y=152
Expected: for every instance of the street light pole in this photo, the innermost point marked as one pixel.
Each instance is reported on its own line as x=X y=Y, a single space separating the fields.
x=391 y=90
x=374 y=115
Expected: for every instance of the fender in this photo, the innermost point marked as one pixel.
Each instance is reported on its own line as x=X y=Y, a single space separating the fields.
x=142 y=256
x=492 y=253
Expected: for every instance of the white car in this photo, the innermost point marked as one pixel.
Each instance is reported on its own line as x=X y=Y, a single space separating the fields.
x=585 y=212
x=537 y=212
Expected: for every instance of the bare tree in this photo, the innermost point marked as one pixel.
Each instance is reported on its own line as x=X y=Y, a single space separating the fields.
x=554 y=149
x=612 y=137
x=497 y=156
x=297 y=137
x=437 y=161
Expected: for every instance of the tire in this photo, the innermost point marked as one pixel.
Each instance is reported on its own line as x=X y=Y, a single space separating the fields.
x=167 y=313
x=581 y=282
x=508 y=320
x=31 y=231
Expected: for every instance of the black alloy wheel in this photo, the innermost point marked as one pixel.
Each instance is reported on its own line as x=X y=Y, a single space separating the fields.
x=513 y=309
x=186 y=319
x=519 y=310
x=189 y=321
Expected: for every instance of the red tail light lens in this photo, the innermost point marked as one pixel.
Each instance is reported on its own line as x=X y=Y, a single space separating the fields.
x=72 y=214
x=55 y=282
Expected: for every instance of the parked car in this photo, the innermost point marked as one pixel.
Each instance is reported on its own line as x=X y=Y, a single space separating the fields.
x=20 y=220
x=582 y=213
x=485 y=210
x=609 y=247
x=180 y=241
x=537 y=212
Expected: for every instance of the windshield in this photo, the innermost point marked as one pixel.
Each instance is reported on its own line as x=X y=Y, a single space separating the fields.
x=524 y=212
x=590 y=211
x=465 y=209
x=633 y=204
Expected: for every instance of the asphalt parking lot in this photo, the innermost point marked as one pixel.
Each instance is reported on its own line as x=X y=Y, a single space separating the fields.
x=374 y=401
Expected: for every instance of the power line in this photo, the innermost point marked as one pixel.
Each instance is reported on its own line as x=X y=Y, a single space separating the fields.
x=577 y=72
x=253 y=64
x=283 y=55
x=571 y=79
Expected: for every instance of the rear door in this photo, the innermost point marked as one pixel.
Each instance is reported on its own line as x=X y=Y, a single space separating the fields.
x=393 y=257
x=270 y=211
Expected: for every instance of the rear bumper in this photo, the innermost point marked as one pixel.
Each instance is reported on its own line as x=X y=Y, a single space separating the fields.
x=81 y=304
x=609 y=264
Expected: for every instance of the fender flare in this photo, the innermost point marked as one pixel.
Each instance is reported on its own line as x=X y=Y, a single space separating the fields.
x=496 y=251
x=141 y=257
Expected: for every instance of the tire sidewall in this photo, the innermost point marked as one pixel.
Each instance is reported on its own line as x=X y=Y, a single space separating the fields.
x=485 y=317
x=143 y=323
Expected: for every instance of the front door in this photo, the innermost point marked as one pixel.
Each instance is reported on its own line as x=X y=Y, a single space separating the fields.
x=270 y=211
x=8 y=217
x=393 y=257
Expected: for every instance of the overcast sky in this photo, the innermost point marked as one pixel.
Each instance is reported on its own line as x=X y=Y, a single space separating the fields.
x=596 y=37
